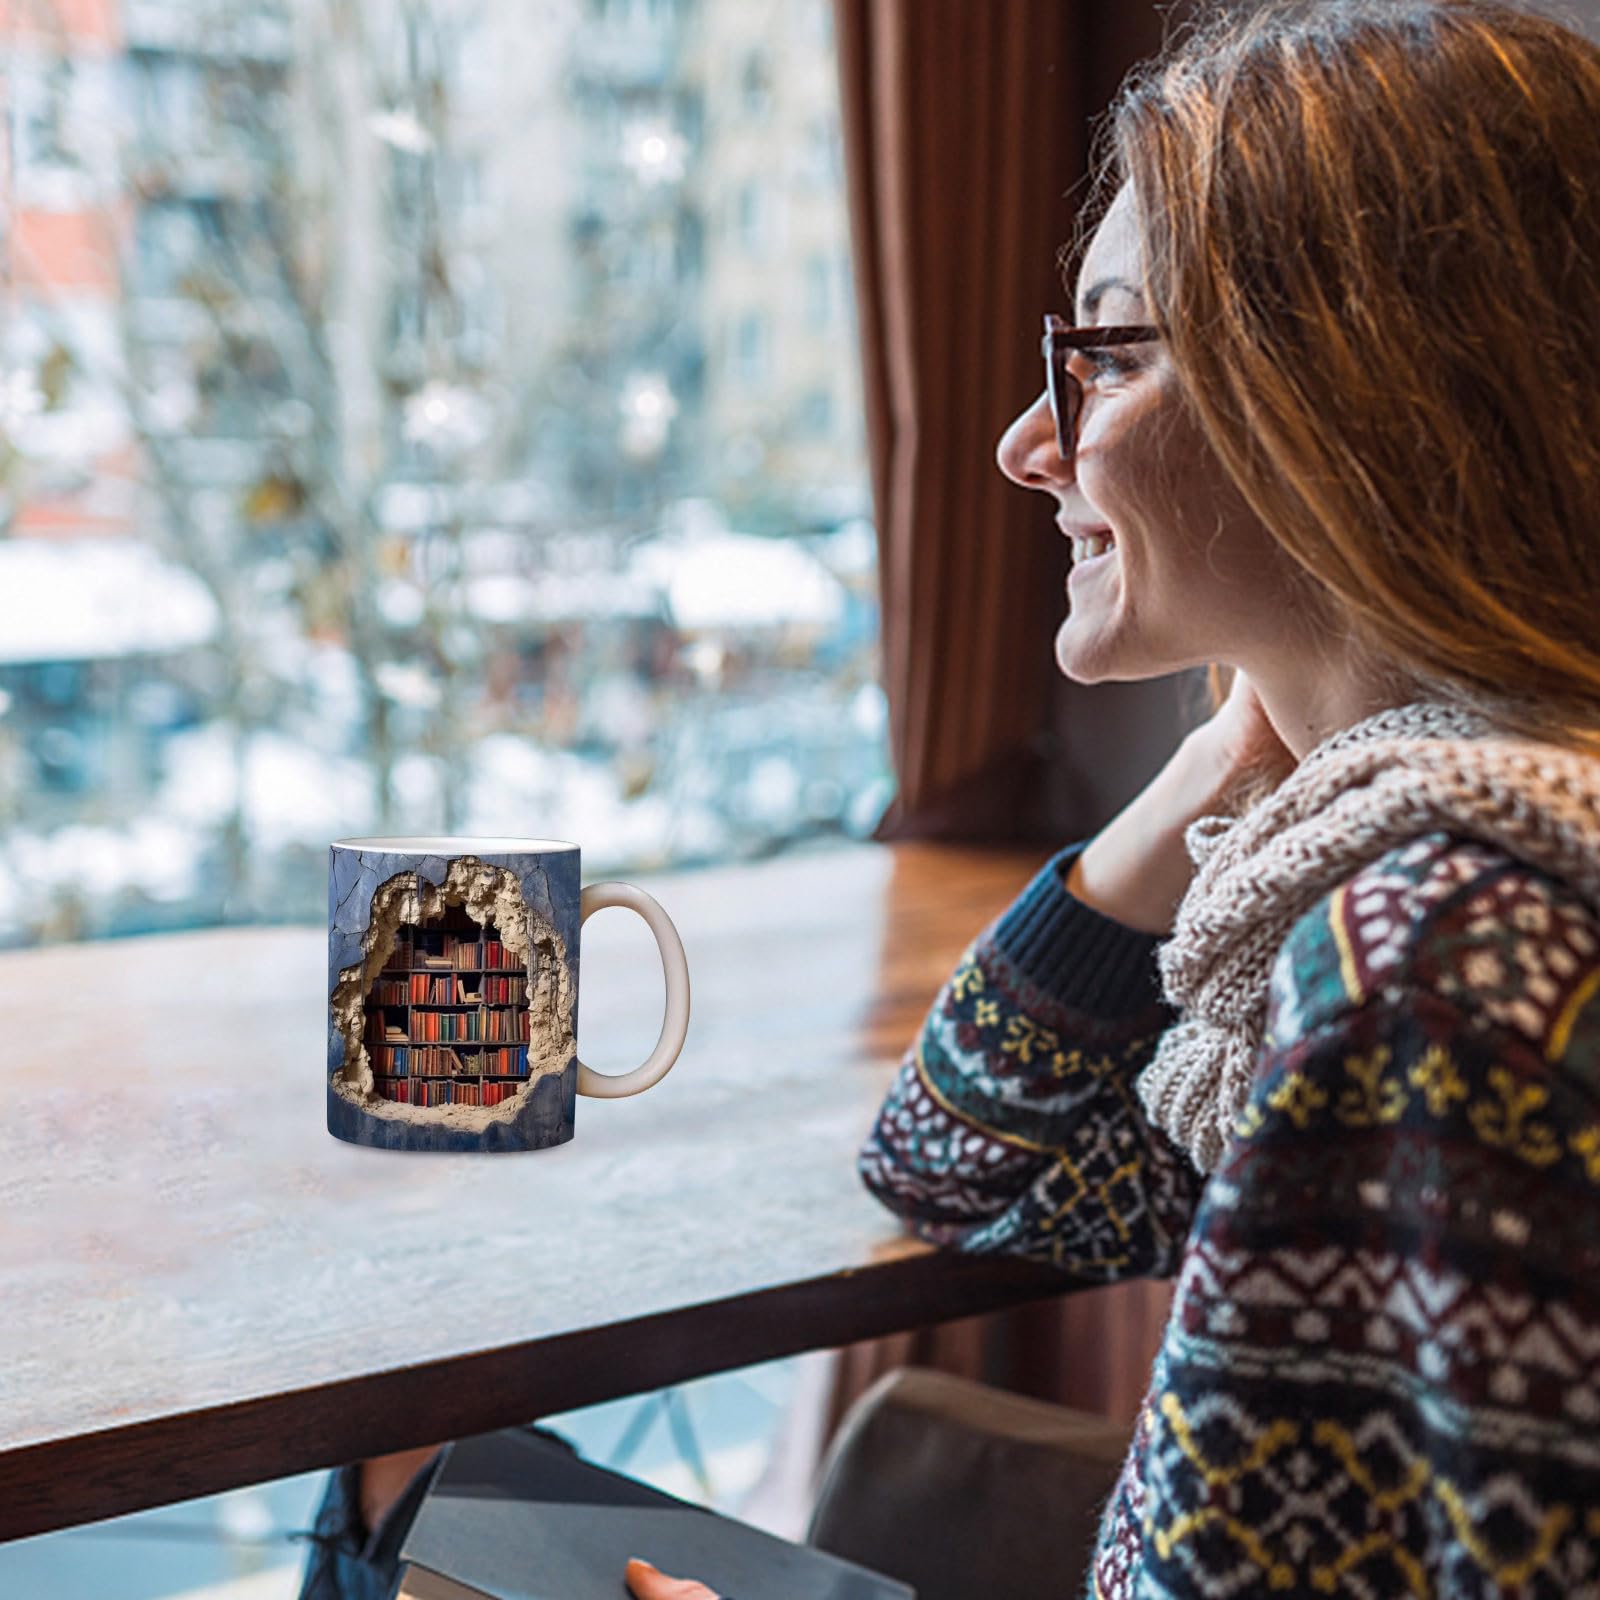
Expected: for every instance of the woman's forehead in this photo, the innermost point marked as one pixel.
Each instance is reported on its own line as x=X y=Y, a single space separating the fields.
x=1113 y=263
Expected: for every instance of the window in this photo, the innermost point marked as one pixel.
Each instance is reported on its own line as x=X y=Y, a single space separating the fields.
x=820 y=156
x=169 y=95
x=815 y=419
x=755 y=86
x=750 y=214
x=59 y=151
x=171 y=244
x=44 y=117
x=819 y=291
x=432 y=434
x=751 y=355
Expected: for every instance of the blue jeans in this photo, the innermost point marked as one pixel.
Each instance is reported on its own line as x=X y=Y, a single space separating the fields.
x=347 y=1561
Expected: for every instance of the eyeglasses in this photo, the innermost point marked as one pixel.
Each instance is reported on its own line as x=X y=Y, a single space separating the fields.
x=1066 y=393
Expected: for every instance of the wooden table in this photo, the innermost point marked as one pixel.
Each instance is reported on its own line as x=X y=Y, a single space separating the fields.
x=200 y=1288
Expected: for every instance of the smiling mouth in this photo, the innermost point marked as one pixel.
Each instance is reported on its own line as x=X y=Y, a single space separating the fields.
x=1086 y=547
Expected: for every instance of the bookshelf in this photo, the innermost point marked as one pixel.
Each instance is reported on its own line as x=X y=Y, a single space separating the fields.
x=446 y=1019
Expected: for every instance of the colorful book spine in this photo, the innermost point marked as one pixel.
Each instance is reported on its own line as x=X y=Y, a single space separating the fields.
x=424 y=1056
x=507 y=1025
x=446 y=1027
x=507 y=1061
x=442 y=1090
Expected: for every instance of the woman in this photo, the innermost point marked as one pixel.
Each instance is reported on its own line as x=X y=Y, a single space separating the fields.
x=1314 y=1024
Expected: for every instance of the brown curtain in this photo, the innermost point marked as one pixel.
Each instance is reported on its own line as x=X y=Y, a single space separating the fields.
x=967 y=126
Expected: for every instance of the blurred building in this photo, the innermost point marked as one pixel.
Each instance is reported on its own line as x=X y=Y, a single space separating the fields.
x=782 y=411
x=66 y=220
x=137 y=134
x=610 y=230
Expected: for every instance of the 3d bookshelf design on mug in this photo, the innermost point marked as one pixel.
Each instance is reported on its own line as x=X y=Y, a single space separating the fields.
x=452 y=998
x=447 y=1019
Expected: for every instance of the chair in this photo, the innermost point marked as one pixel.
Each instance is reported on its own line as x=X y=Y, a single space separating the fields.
x=964 y=1491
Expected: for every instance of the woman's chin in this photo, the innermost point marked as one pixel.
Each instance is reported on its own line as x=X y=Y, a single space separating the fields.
x=1081 y=658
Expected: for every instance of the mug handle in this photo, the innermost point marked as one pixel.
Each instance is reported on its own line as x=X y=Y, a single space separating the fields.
x=674 y=966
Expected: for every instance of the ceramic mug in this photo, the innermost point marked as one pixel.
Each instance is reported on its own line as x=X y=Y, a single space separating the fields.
x=453 y=992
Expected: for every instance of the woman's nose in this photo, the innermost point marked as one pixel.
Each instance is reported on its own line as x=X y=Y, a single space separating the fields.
x=1028 y=453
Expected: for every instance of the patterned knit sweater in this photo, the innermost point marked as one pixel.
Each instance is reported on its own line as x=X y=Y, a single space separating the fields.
x=1381 y=1375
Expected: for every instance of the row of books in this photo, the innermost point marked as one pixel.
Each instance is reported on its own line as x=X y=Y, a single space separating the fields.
x=426 y=950
x=423 y=991
x=433 y=1027
x=503 y=1025
x=415 y=1061
x=426 y=991
x=450 y=1028
x=445 y=1092
x=496 y=955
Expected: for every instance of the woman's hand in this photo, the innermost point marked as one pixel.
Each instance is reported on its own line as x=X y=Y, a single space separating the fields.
x=1136 y=869
x=1239 y=741
x=646 y=1583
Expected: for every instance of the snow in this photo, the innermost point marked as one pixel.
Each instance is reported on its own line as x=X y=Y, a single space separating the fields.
x=516 y=786
x=292 y=793
x=409 y=683
x=724 y=770
x=869 y=711
x=852 y=549
x=93 y=599
x=401 y=602
x=619 y=709
x=561 y=597
x=735 y=580
x=156 y=855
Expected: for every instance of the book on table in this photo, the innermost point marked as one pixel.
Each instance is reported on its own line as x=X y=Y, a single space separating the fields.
x=519 y=1515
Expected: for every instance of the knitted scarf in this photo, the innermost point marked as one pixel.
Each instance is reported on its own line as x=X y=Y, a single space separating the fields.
x=1404 y=772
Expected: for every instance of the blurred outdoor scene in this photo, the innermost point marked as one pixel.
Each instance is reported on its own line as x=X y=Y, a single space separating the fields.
x=422 y=415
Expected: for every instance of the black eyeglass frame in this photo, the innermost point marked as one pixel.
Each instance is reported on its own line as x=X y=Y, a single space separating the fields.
x=1061 y=383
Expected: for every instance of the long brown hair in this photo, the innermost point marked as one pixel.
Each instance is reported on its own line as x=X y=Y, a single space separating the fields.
x=1372 y=240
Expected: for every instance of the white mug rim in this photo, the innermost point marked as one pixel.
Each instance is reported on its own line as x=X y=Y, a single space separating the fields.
x=440 y=844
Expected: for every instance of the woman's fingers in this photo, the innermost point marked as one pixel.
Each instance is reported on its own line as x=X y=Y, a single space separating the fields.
x=646 y=1583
